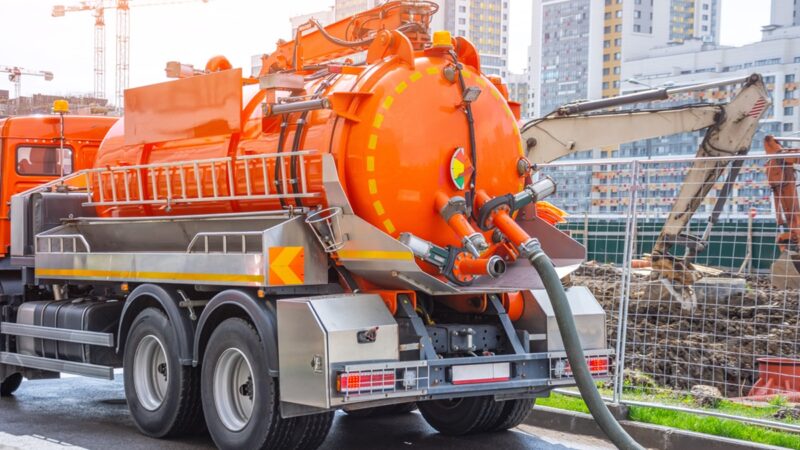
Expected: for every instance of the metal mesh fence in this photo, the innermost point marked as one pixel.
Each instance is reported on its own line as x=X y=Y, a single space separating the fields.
x=730 y=319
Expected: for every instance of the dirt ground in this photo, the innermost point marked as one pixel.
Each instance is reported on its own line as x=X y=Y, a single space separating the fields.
x=717 y=342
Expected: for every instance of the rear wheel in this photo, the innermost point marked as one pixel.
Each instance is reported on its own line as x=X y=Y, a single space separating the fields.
x=308 y=432
x=240 y=399
x=458 y=416
x=10 y=384
x=512 y=414
x=163 y=395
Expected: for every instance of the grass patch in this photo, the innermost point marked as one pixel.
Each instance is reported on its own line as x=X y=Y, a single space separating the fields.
x=693 y=422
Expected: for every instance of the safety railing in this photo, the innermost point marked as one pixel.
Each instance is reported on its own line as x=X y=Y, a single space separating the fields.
x=238 y=243
x=62 y=243
x=733 y=329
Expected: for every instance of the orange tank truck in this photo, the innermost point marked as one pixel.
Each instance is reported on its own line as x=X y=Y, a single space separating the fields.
x=396 y=127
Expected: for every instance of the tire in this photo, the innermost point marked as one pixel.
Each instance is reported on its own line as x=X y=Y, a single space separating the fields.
x=513 y=413
x=381 y=411
x=457 y=417
x=10 y=384
x=309 y=432
x=162 y=405
x=240 y=399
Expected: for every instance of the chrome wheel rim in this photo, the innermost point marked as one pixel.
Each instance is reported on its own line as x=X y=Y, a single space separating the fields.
x=150 y=373
x=234 y=389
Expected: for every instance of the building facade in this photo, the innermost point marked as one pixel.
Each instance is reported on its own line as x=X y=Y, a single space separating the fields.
x=519 y=91
x=578 y=47
x=346 y=8
x=776 y=57
x=785 y=13
x=484 y=23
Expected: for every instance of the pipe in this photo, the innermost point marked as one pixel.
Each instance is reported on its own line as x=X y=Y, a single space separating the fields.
x=572 y=345
x=293 y=107
x=494 y=266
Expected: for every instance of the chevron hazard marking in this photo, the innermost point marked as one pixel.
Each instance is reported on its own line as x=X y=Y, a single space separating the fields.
x=286 y=266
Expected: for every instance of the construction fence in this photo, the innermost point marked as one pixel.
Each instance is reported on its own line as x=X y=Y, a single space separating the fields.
x=735 y=328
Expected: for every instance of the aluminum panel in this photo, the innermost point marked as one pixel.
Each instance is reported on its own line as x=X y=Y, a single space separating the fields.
x=538 y=318
x=317 y=332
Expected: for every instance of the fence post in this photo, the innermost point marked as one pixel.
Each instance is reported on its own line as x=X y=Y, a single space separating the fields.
x=627 y=257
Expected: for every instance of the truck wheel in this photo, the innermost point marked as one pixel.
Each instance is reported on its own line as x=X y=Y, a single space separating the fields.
x=455 y=417
x=378 y=411
x=308 y=432
x=513 y=413
x=10 y=384
x=240 y=399
x=163 y=395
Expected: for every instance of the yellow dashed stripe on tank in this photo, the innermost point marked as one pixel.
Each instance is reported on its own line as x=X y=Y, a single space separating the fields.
x=378 y=207
x=373 y=185
x=378 y=121
x=373 y=142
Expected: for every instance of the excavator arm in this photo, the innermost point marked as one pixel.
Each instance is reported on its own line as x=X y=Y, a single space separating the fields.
x=729 y=131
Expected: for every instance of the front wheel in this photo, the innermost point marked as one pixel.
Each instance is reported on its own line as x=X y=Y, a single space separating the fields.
x=240 y=399
x=163 y=395
x=10 y=384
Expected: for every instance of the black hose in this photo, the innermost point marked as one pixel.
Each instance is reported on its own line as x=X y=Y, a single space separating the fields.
x=577 y=360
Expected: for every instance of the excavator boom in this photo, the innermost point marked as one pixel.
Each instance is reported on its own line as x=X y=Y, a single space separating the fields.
x=729 y=132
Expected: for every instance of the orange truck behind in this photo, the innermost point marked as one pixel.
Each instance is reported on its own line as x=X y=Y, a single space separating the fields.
x=31 y=156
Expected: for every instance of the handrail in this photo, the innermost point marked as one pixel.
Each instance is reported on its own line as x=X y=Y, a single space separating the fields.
x=224 y=235
x=61 y=237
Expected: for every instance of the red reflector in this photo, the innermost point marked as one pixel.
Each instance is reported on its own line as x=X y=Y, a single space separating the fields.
x=365 y=381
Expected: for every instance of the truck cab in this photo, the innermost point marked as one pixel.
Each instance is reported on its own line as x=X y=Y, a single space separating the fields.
x=30 y=156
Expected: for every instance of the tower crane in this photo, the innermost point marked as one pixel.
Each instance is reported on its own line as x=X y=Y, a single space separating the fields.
x=15 y=76
x=122 y=65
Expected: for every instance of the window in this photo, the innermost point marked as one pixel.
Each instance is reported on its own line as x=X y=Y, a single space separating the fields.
x=462 y=21
x=605 y=84
x=787 y=127
x=606 y=71
x=606 y=57
x=705 y=16
x=705 y=6
x=617 y=42
x=618 y=28
x=607 y=16
x=637 y=28
x=606 y=30
x=462 y=9
x=637 y=14
x=789 y=78
x=705 y=27
x=619 y=14
x=606 y=44
x=617 y=56
x=617 y=70
x=42 y=161
x=788 y=111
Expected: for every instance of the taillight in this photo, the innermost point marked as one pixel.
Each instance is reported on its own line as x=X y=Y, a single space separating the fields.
x=598 y=366
x=365 y=381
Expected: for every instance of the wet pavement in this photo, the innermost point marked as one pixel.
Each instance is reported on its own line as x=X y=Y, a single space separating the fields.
x=92 y=414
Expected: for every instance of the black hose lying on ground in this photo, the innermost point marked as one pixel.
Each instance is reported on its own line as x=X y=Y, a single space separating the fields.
x=577 y=360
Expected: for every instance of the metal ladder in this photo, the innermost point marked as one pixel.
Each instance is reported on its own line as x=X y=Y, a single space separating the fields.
x=191 y=188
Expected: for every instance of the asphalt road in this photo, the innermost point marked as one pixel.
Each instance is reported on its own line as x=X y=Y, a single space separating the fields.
x=92 y=414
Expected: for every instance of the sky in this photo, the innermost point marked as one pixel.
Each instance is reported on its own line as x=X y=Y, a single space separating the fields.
x=192 y=31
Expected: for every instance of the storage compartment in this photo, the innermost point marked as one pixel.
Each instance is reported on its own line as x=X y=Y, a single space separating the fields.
x=79 y=314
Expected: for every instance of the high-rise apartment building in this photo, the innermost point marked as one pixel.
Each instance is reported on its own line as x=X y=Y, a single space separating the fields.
x=578 y=46
x=785 y=13
x=694 y=19
x=484 y=23
x=346 y=8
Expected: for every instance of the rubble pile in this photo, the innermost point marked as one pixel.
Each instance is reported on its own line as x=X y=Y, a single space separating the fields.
x=716 y=343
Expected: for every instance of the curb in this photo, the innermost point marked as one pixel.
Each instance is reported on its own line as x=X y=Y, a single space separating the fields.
x=649 y=436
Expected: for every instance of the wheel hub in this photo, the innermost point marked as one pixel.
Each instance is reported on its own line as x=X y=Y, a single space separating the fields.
x=150 y=373
x=234 y=390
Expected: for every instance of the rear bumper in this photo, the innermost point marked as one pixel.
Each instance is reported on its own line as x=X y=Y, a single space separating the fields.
x=424 y=380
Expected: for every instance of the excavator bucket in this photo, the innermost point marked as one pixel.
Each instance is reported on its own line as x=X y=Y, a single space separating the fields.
x=785 y=271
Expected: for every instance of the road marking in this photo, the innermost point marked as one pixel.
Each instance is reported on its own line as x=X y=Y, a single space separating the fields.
x=32 y=441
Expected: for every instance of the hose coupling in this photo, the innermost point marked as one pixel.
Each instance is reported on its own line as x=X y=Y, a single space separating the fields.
x=531 y=249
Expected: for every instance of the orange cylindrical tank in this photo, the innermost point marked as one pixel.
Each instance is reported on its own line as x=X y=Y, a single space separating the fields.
x=395 y=153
